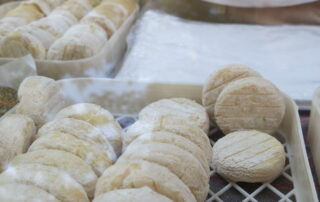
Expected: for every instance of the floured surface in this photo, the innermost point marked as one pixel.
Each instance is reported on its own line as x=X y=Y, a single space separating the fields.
x=187 y=52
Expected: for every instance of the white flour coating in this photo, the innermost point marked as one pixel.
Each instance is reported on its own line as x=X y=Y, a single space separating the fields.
x=187 y=52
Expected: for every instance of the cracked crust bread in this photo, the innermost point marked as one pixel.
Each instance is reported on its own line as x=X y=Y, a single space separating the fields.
x=176 y=140
x=137 y=174
x=71 y=164
x=21 y=193
x=98 y=117
x=97 y=158
x=52 y=180
x=132 y=195
x=248 y=156
x=250 y=103
x=80 y=129
x=15 y=137
x=172 y=125
x=219 y=80
x=182 y=108
x=178 y=161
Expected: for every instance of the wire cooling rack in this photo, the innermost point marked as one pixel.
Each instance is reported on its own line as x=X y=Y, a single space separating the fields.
x=281 y=189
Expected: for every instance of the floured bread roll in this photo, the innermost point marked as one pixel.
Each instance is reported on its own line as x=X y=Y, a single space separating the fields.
x=78 y=8
x=173 y=125
x=97 y=158
x=15 y=137
x=182 y=108
x=80 y=41
x=40 y=98
x=219 y=80
x=248 y=156
x=137 y=174
x=178 y=161
x=7 y=24
x=71 y=164
x=21 y=193
x=37 y=37
x=133 y=195
x=98 y=117
x=49 y=179
x=80 y=129
x=249 y=103
x=46 y=6
x=176 y=140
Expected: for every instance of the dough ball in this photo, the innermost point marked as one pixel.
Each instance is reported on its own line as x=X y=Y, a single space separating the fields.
x=137 y=174
x=176 y=140
x=178 y=161
x=21 y=193
x=15 y=137
x=71 y=164
x=80 y=129
x=219 y=80
x=97 y=158
x=172 y=125
x=133 y=195
x=98 y=117
x=248 y=156
x=51 y=180
x=182 y=108
x=250 y=103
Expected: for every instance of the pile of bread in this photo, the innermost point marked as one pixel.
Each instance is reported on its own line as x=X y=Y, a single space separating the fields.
x=61 y=29
x=79 y=152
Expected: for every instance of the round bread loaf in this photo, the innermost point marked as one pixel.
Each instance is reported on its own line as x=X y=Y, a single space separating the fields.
x=133 y=195
x=250 y=103
x=97 y=158
x=178 y=161
x=21 y=193
x=71 y=164
x=137 y=174
x=181 y=108
x=172 y=125
x=98 y=117
x=80 y=129
x=219 y=80
x=15 y=136
x=51 y=180
x=176 y=140
x=248 y=156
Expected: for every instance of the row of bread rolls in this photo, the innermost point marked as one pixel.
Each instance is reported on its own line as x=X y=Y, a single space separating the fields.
x=68 y=153
x=248 y=109
x=166 y=150
x=69 y=32
x=25 y=13
x=87 y=38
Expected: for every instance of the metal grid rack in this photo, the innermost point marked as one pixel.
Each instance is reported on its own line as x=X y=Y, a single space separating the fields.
x=281 y=189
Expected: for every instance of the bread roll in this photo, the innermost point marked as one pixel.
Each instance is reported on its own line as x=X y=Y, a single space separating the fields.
x=21 y=193
x=178 y=161
x=169 y=124
x=127 y=6
x=139 y=174
x=45 y=6
x=40 y=98
x=250 y=103
x=80 y=129
x=181 y=108
x=97 y=158
x=219 y=80
x=78 y=8
x=99 y=117
x=15 y=135
x=176 y=140
x=7 y=24
x=248 y=156
x=71 y=164
x=133 y=195
x=51 y=180
x=30 y=12
x=80 y=41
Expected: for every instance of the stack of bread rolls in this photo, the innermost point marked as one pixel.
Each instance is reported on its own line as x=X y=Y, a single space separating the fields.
x=61 y=30
x=173 y=161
